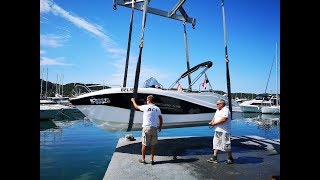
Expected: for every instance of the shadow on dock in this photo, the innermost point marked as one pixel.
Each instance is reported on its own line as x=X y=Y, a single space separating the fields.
x=200 y=146
x=186 y=158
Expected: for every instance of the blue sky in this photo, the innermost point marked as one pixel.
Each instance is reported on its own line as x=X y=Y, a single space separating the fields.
x=86 y=41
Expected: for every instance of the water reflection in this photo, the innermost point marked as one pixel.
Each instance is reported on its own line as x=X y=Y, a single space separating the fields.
x=53 y=124
x=263 y=121
x=78 y=149
x=47 y=124
x=260 y=116
x=52 y=131
x=69 y=115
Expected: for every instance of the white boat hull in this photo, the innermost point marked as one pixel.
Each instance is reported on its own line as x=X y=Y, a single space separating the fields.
x=271 y=110
x=117 y=119
x=60 y=112
x=110 y=108
x=250 y=109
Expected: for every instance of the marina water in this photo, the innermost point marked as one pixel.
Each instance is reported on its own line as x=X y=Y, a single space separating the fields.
x=81 y=150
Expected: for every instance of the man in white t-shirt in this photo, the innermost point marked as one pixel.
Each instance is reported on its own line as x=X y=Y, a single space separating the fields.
x=222 y=133
x=152 y=121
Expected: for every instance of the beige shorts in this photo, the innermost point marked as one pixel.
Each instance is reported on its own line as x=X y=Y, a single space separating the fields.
x=222 y=141
x=149 y=136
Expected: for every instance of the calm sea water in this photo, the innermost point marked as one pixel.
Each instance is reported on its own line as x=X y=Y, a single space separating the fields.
x=80 y=150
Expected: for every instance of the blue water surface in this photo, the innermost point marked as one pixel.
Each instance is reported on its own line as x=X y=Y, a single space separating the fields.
x=81 y=150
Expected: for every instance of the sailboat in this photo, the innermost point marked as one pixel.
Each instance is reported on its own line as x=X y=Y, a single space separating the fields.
x=57 y=107
x=275 y=106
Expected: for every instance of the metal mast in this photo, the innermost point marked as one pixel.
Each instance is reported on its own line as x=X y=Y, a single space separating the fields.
x=277 y=74
x=187 y=54
x=41 y=76
x=227 y=60
x=62 y=85
x=46 y=95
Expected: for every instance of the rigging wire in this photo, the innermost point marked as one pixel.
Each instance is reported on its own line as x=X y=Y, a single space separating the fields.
x=265 y=91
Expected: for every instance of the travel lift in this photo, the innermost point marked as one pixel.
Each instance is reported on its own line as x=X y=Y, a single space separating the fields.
x=133 y=4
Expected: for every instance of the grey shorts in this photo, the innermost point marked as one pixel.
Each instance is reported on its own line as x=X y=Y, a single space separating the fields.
x=149 y=136
x=222 y=141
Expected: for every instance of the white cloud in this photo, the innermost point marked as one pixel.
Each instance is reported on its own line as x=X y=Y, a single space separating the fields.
x=43 y=19
x=42 y=52
x=80 y=22
x=44 y=6
x=145 y=73
x=50 y=61
x=51 y=40
x=96 y=30
x=119 y=54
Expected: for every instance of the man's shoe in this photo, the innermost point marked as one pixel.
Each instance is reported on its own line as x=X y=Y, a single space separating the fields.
x=230 y=161
x=153 y=163
x=213 y=160
x=142 y=161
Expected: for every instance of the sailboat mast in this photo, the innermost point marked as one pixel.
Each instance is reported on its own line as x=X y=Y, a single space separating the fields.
x=277 y=73
x=57 y=84
x=62 y=85
x=46 y=84
x=227 y=59
x=41 y=76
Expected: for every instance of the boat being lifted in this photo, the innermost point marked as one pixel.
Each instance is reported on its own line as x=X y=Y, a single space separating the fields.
x=110 y=108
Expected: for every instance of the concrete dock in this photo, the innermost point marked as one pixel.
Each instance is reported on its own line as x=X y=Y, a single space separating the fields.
x=186 y=158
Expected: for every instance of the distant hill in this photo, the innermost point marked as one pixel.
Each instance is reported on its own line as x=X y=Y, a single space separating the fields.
x=53 y=88
x=68 y=90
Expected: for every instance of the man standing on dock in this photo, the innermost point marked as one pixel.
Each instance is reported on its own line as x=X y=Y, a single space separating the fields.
x=221 y=139
x=152 y=121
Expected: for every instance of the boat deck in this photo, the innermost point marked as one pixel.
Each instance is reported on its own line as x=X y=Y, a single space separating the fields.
x=186 y=158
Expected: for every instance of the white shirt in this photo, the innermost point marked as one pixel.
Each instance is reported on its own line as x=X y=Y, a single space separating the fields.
x=226 y=126
x=150 y=115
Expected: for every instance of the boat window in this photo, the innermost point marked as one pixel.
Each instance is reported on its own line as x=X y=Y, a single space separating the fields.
x=152 y=83
x=256 y=104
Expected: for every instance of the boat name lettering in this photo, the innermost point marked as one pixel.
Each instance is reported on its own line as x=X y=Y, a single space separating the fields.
x=126 y=89
x=99 y=100
x=168 y=105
